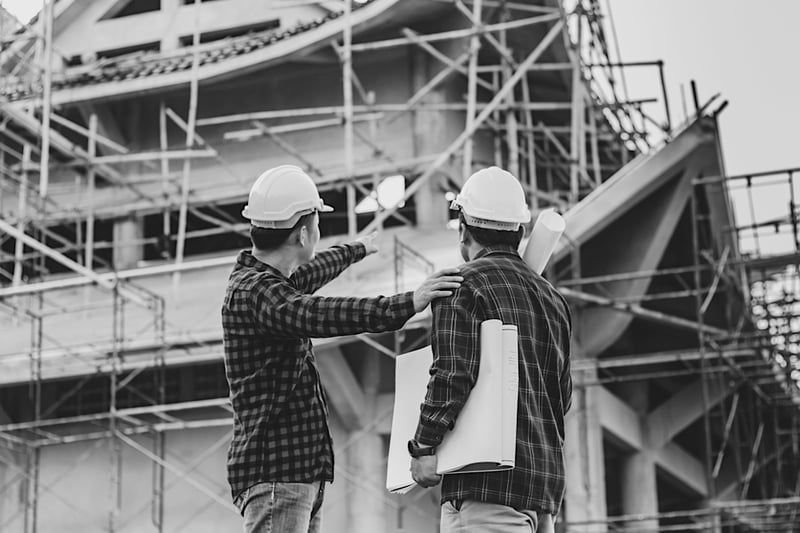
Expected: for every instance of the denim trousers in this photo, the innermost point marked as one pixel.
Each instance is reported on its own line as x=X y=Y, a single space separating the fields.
x=278 y=507
x=480 y=517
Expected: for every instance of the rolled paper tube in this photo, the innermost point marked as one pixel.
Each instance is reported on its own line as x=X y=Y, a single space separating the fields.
x=548 y=229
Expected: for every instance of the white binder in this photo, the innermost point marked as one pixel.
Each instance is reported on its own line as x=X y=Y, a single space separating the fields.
x=484 y=436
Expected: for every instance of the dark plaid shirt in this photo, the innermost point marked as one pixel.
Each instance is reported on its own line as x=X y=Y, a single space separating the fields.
x=498 y=284
x=280 y=427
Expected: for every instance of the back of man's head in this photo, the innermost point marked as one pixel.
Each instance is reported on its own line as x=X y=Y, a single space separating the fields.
x=282 y=200
x=492 y=207
x=269 y=239
x=490 y=237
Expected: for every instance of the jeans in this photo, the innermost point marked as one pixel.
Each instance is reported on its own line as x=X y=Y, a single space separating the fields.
x=480 y=517
x=278 y=507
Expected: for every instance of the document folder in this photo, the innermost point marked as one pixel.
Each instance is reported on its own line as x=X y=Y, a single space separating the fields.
x=484 y=436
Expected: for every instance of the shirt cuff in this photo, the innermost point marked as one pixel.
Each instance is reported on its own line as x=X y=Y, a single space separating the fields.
x=407 y=304
x=430 y=435
x=359 y=250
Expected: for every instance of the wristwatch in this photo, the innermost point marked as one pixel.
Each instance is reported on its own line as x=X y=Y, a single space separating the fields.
x=416 y=451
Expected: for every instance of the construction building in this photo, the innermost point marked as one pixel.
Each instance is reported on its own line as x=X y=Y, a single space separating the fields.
x=131 y=132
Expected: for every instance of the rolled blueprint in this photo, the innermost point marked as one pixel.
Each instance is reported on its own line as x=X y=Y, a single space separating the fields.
x=546 y=232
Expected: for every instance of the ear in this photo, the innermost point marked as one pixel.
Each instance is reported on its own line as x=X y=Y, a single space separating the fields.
x=302 y=235
x=463 y=234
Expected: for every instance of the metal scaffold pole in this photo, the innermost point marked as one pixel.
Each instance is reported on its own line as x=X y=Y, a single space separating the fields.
x=347 y=92
x=115 y=451
x=190 y=138
x=22 y=208
x=35 y=397
x=705 y=374
x=88 y=260
x=44 y=175
x=160 y=437
x=472 y=89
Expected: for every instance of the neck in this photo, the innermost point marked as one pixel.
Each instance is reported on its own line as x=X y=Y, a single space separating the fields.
x=280 y=259
x=472 y=250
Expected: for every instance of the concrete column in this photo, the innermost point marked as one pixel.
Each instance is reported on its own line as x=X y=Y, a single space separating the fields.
x=585 y=463
x=366 y=461
x=639 y=491
x=170 y=40
x=12 y=496
x=127 y=251
x=638 y=476
x=430 y=136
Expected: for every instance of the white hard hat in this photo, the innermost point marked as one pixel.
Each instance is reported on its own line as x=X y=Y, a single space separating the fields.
x=493 y=198
x=280 y=196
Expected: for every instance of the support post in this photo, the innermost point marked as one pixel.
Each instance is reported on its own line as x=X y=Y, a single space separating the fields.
x=472 y=89
x=187 y=165
x=366 y=458
x=22 y=210
x=90 y=179
x=44 y=175
x=115 y=467
x=598 y=176
x=530 y=140
x=347 y=91
x=512 y=140
x=163 y=141
x=576 y=121
x=585 y=496
x=638 y=472
x=668 y=125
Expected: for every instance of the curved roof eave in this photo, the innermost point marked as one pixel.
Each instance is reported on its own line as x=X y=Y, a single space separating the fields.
x=303 y=43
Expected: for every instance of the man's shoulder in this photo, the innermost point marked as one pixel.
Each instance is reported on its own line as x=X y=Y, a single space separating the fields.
x=248 y=278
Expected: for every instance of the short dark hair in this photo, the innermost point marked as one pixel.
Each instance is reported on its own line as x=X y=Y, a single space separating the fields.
x=271 y=238
x=488 y=237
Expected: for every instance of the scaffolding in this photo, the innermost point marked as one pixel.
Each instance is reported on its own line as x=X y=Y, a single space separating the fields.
x=559 y=162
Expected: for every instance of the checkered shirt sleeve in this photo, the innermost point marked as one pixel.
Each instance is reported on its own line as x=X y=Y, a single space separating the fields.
x=280 y=428
x=499 y=285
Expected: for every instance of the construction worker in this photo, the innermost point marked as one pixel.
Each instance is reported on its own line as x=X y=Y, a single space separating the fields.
x=498 y=284
x=281 y=453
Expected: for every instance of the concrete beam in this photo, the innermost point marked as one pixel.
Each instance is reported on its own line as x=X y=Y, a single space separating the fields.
x=342 y=388
x=683 y=467
x=680 y=411
x=648 y=236
x=619 y=420
x=630 y=185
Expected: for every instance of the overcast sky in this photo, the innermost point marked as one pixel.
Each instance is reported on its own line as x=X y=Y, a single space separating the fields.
x=745 y=50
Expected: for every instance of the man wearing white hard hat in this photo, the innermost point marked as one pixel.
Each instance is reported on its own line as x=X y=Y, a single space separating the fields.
x=281 y=454
x=498 y=284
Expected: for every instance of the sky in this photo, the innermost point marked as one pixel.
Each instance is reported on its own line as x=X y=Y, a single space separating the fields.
x=745 y=50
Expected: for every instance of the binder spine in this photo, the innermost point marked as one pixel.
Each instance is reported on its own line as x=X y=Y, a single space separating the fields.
x=510 y=370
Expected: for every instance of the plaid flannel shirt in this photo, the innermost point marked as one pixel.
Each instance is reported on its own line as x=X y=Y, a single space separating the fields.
x=280 y=427
x=498 y=284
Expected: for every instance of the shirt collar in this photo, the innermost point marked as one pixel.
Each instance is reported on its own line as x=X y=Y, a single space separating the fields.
x=497 y=248
x=246 y=259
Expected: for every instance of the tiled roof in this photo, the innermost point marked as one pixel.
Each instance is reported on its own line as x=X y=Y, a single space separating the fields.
x=144 y=64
